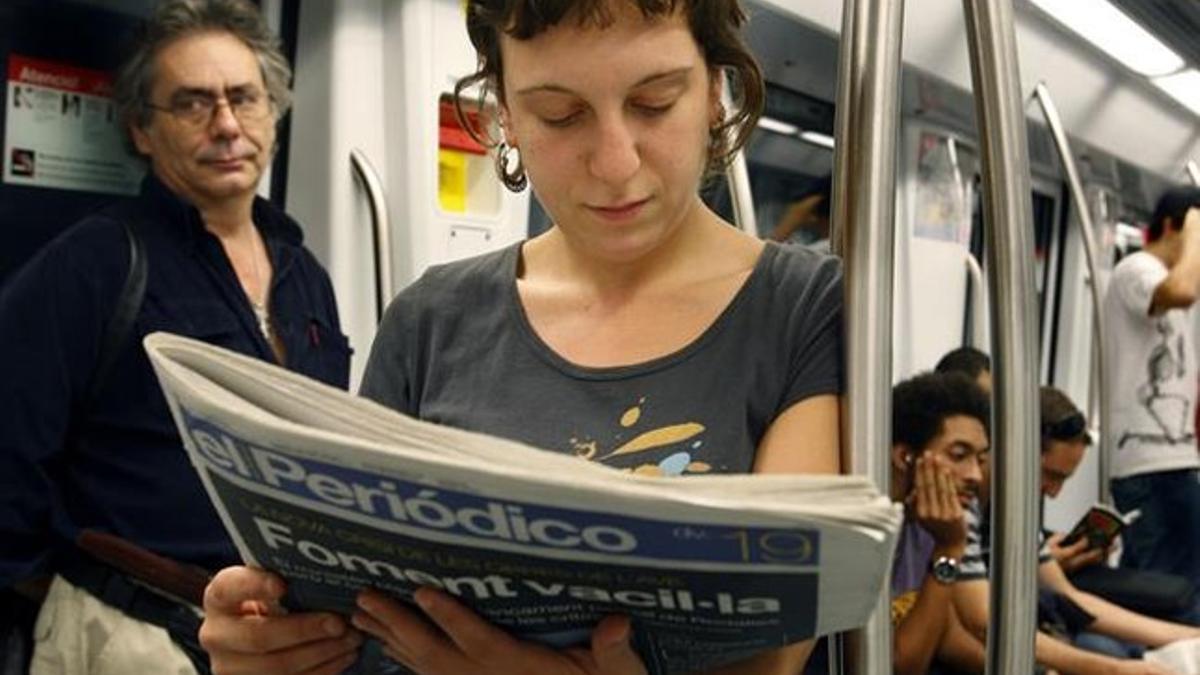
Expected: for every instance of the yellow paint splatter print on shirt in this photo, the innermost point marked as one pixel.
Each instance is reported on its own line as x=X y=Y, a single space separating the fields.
x=681 y=462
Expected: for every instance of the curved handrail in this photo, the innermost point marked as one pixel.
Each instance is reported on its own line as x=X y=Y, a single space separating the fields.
x=1086 y=227
x=863 y=232
x=381 y=229
x=978 y=300
x=991 y=34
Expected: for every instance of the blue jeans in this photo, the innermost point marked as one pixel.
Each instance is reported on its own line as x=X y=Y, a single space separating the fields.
x=1102 y=644
x=1167 y=536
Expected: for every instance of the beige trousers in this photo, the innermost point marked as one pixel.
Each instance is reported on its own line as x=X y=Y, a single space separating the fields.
x=76 y=634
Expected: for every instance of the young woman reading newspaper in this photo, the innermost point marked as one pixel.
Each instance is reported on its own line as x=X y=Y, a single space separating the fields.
x=641 y=331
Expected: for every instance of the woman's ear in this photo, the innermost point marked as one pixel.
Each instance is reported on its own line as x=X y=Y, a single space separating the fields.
x=507 y=134
x=716 y=87
x=902 y=458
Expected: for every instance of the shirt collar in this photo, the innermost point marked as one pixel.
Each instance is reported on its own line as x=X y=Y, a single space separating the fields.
x=184 y=219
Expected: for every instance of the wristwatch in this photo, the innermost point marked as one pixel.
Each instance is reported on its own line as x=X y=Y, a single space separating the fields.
x=944 y=570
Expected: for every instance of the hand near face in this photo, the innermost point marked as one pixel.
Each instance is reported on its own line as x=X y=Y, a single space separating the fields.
x=1076 y=556
x=451 y=639
x=935 y=503
x=245 y=631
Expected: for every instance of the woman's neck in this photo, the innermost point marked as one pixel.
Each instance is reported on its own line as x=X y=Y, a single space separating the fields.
x=559 y=257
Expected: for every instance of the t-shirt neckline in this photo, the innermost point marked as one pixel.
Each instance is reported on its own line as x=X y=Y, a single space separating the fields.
x=512 y=260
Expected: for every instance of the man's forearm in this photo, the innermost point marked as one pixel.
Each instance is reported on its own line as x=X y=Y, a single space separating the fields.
x=1118 y=622
x=1068 y=659
x=916 y=638
x=960 y=649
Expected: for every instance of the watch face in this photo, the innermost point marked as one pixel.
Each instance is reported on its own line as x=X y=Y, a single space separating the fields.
x=945 y=570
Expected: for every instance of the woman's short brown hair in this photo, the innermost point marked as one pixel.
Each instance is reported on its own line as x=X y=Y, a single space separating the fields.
x=715 y=25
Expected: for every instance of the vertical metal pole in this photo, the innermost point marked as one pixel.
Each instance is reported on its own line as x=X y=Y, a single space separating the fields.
x=1193 y=170
x=1009 y=211
x=1087 y=230
x=737 y=178
x=863 y=223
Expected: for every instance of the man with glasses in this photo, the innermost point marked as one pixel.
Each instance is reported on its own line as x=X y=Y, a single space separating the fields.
x=87 y=445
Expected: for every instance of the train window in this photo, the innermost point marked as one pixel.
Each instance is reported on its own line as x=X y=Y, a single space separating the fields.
x=787 y=154
x=945 y=189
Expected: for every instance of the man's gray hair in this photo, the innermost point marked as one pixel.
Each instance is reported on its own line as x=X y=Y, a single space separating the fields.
x=175 y=19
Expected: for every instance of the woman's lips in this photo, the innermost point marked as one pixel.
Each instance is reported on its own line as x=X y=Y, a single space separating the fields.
x=620 y=212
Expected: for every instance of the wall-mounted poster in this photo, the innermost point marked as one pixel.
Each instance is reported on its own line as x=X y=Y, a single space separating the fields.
x=62 y=130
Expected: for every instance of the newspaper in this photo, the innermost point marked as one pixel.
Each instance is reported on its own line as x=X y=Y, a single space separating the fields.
x=336 y=493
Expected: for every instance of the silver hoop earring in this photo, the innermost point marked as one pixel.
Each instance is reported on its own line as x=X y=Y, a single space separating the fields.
x=515 y=180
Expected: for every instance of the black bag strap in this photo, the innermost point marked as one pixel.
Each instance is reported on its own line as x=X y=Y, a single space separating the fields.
x=129 y=303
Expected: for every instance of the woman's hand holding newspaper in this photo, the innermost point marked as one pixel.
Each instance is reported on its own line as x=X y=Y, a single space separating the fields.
x=245 y=631
x=459 y=641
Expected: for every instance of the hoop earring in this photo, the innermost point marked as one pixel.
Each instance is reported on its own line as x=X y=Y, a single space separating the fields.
x=514 y=180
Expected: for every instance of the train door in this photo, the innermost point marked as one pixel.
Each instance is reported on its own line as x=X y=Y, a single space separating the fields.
x=938 y=203
x=1074 y=365
x=374 y=80
x=941 y=298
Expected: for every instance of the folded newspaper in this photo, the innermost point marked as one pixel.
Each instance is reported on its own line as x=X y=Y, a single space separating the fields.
x=336 y=493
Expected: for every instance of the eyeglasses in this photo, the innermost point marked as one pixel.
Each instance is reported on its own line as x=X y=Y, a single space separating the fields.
x=1066 y=429
x=196 y=108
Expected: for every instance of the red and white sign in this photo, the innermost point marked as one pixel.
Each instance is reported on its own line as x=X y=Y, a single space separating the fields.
x=61 y=130
x=60 y=76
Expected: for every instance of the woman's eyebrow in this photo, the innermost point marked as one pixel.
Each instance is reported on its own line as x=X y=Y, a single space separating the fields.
x=667 y=75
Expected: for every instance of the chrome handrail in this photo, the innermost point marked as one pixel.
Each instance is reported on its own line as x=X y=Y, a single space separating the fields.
x=991 y=35
x=381 y=229
x=1087 y=228
x=979 y=299
x=863 y=233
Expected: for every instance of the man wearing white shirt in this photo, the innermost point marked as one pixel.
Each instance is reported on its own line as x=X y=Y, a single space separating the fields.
x=1153 y=375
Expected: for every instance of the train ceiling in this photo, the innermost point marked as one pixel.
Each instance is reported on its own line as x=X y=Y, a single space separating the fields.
x=1175 y=22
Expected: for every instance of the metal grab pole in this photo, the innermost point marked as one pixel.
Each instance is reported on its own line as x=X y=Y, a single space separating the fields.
x=1193 y=170
x=864 y=204
x=1009 y=209
x=737 y=177
x=1086 y=227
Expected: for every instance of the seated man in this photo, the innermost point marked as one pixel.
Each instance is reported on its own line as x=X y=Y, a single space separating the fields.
x=1157 y=594
x=1064 y=440
x=939 y=433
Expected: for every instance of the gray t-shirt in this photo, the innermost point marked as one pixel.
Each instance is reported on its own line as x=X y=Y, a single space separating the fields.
x=456 y=348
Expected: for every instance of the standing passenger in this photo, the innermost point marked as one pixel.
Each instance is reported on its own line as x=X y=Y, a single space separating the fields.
x=1152 y=373
x=88 y=446
x=639 y=311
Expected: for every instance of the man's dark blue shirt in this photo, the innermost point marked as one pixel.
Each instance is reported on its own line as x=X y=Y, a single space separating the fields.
x=116 y=463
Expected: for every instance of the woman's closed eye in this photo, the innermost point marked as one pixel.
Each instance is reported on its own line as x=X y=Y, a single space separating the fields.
x=561 y=120
x=653 y=108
